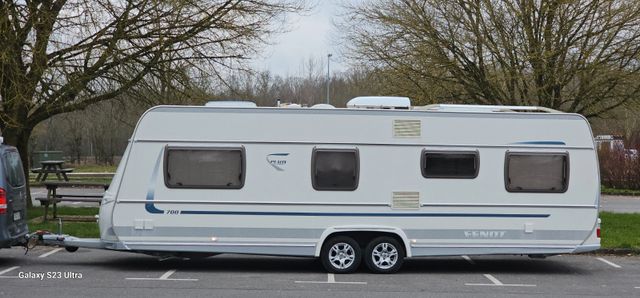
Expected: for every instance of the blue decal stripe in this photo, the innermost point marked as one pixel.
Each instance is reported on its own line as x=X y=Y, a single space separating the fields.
x=150 y=207
x=274 y=213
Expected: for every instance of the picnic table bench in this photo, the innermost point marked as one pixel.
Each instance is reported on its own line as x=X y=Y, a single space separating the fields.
x=52 y=167
x=53 y=197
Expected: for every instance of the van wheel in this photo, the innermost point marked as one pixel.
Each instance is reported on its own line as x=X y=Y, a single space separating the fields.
x=341 y=255
x=384 y=255
x=71 y=248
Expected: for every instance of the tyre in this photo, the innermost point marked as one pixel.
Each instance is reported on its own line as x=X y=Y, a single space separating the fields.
x=71 y=248
x=384 y=255
x=341 y=254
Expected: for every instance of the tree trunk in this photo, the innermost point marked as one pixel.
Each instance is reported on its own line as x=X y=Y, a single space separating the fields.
x=20 y=139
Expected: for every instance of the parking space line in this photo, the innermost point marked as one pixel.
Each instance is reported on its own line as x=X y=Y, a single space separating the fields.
x=9 y=270
x=468 y=259
x=612 y=264
x=167 y=274
x=164 y=276
x=44 y=255
x=493 y=280
x=331 y=279
x=497 y=283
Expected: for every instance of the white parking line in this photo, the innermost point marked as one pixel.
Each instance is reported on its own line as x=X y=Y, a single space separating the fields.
x=612 y=264
x=164 y=276
x=331 y=279
x=468 y=259
x=9 y=270
x=493 y=280
x=497 y=283
x=167 y=274
x=44 y=255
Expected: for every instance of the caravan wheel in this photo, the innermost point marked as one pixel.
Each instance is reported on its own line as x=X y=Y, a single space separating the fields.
x=341 y=255
x=384 y=255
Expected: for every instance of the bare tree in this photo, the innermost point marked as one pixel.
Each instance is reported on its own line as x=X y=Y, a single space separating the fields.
x=58 y=56
x=578 y=56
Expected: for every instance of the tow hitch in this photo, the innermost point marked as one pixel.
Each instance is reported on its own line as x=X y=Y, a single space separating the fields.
x=70 y=243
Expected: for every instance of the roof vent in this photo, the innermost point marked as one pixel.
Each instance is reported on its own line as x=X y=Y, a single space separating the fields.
x=231 y=104
x=380 y=102
x=322 y=106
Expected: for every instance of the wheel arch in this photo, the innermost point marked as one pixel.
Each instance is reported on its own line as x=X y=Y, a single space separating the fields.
x=360 y=233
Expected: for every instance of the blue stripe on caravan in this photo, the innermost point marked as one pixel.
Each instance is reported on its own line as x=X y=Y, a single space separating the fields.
x=150 y=207
x=274 y=213
x=540 y=143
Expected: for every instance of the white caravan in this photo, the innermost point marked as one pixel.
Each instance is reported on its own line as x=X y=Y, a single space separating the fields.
x=354 y=185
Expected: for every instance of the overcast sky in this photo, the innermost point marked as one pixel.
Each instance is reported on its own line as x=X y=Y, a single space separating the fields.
x=311 y=36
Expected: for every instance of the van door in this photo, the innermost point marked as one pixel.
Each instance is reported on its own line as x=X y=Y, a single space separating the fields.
x=13 y=217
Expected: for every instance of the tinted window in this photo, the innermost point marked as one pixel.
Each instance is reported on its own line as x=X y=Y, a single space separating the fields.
x=204 y=168
x=450 y=164
x=13 y=168
x=536 y=172
x=334 y=169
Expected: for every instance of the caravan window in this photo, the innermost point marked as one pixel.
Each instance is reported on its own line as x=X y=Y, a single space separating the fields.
x=537 y=172
x=204 y=168
x=443 y=164
x=334 y=169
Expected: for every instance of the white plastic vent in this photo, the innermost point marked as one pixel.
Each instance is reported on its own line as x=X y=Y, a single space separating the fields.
x=406 y=128
x=406 y=200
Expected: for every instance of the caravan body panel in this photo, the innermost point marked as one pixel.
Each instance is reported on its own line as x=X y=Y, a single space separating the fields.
x=277 y=211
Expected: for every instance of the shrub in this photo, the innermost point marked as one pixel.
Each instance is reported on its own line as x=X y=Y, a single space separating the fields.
x=619 y=169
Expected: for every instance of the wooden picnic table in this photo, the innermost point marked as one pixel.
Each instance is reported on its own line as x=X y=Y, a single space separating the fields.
x=52 y=167
x=53 y=197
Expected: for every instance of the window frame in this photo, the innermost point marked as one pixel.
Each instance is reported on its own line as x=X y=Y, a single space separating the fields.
x=566 y=171
x=313 y=168
x=423 y=162
x=187 y=148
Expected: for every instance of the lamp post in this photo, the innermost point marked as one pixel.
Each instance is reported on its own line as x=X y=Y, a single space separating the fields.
x=328 y=78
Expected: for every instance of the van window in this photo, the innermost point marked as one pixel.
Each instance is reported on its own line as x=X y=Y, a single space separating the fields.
x=537 y=172
x=13 y=168
x=204 y=168
x=335 y=169
x=442 y=164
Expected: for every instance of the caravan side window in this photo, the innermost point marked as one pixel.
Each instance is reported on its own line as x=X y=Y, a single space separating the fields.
x=445 y=164
x=536 y=172
x=204 y=167
x=335 y=169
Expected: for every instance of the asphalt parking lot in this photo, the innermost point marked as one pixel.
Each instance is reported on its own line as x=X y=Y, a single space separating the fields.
x=53 y=272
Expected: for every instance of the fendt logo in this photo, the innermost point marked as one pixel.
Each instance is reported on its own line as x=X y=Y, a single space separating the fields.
x=278 y=160
x=484 y=234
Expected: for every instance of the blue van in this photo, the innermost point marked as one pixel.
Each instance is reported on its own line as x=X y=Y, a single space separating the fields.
x=13 y=198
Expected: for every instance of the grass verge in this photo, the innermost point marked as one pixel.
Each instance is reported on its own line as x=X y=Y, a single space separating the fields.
x=92 y=168
x=78 y=229
x=619 y=192
x=620 y=230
